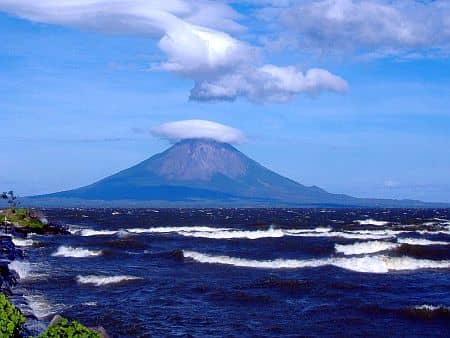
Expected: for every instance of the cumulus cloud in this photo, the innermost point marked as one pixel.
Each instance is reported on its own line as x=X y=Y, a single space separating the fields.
x=198 y=129
x=268 y=83
x=373 y=25
x=195 y=37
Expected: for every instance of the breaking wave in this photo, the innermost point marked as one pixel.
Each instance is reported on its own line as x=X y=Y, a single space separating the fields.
x=420 y=241
x=68 y=251
x=176 y=229
x=371 y=221
x=104 y=280
x=90 y=232
x=22 y=242
x=40 y=307
x=428 y=312
x=23 y=269
x=369 y=264
x=364 y=247
x=221 y=234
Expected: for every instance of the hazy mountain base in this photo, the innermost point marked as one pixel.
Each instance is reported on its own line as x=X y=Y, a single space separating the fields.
x=229 y=203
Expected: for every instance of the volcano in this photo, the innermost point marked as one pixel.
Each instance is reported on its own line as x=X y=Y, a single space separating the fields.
x=201 y=172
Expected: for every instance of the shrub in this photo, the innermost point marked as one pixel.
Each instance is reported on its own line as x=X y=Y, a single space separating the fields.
x=69 y=329
x=11 y=320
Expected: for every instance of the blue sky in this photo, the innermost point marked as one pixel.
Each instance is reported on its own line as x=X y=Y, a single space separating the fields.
x=77 y=100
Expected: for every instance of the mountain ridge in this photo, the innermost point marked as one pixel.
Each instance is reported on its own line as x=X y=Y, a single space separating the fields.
x=206 y=172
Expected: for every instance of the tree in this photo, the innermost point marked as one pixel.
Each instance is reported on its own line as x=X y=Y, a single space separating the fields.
x=12 y=199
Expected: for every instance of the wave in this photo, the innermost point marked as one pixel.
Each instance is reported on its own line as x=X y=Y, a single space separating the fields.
x=105 y=280
x=368 y=264
x=40 y=307
x=229 y=233
x=364 y=247
x=68 y=251
x=22 y=242
x=91 y=232
x=420 y=241
x=346 y=234
x=23 y=269
x=427 y=311
x=371 y=221
x=257 y=234
x=176 y=229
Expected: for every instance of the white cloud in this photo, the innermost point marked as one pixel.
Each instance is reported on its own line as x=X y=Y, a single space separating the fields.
x=268 y=83
x=198 y=129
x=367 y=25
x=194 y=36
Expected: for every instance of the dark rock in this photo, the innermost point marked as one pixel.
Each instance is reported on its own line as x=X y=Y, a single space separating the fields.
x=55 y=320
x=101 y=331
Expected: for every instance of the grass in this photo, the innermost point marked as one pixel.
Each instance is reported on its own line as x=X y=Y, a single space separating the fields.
x=11 y=320
x=22 y=217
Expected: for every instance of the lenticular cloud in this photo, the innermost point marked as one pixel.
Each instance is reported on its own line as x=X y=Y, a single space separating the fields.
x=199 y=129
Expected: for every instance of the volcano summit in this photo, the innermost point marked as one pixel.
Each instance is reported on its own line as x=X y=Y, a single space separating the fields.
x=204 y=172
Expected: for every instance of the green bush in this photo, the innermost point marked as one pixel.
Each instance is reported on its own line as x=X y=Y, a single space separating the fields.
x=69 y=329
x=11 y=320
x=23 y=218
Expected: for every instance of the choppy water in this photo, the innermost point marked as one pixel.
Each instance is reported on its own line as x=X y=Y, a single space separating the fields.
x=237 y=272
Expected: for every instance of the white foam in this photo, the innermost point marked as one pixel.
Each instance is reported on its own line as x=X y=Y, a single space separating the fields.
x=368 y=264
x=90 y=304
x=176 y=229
x=68 y=251
x=364 y=247
x=385 y=264
x=249 y=263
x=371 y=221
x=91 y=232
x=427 y=307
x=104 y=280
x=343 y=234
x=420 y=241
x=22 y=242
x=40 y=307
x=229 y=233
x=271 y=233
x=315 y=230
x=23 y=269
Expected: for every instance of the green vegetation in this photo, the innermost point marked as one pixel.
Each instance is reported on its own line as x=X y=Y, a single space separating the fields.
x=69 y=329
x=24 y=218
x=11 y=320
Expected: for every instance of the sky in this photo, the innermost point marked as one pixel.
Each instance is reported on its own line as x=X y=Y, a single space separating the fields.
x=352 y=96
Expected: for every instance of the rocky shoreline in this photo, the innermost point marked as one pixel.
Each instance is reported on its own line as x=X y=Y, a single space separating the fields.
x=9 y=278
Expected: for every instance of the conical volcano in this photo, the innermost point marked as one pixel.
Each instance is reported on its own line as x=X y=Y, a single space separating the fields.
x=208 y=173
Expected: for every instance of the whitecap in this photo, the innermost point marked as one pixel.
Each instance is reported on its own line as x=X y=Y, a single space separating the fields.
x=176 y=229
x=22 y=242
x=40 y=307
x=68 y=251
x=368 y=264
x=250 y=263
x=427 y=307
x=364 y=247
x=23 y=269
x=104 y=280
x=91 y=232
x=343 y=234
x=420 y=241
x=371 y=221
x=271 y=233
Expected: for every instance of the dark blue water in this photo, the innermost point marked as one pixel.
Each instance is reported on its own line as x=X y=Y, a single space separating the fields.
x=251 y=273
